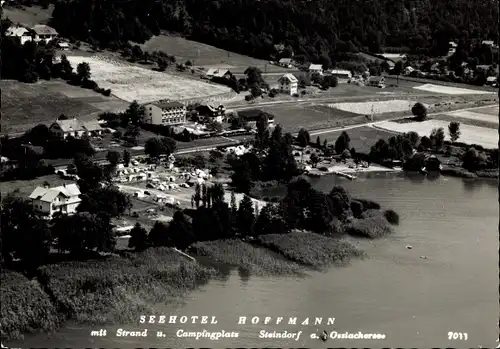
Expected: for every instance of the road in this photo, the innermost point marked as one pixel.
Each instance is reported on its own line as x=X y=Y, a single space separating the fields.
x=100 y=157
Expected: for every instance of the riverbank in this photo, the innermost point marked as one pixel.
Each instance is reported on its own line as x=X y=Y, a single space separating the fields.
x=112 y=290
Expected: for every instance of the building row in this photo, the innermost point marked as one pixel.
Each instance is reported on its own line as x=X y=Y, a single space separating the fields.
x=39 y=32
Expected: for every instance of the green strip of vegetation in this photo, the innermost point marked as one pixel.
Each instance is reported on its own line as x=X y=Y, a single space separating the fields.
x=250 y=259
x=311 y=249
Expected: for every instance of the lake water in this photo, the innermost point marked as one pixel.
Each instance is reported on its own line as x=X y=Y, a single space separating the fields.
x=414 y=301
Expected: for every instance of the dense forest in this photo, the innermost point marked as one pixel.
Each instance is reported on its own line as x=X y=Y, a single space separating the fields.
x=310 y=27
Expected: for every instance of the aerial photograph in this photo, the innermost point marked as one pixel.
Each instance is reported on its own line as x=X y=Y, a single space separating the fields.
x=249 y=173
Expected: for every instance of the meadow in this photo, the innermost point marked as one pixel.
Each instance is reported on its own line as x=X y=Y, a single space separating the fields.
x=129 y=82
x=27 y=105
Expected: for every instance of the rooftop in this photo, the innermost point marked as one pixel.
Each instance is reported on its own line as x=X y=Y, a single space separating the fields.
x=289 y=77
x=168 y=104
x=49 y=194
x=42 y=29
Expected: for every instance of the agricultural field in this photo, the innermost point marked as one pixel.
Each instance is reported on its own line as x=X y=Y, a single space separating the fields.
x=449 y=90
x=362 y=138
x=205 y=55
x=484 y=117
x=375 y=107
x=486 y=137
x=28 y=16
x=129 y=82
x=27 y=105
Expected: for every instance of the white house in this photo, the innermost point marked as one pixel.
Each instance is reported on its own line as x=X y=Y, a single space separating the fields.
x=285 y=62
x=63 y=46
x=288 y=83
x=64 y=199
x=452 y=47
x=341 y=74
x=408 y=70
x=75 y=128
x=23 y=34
x=165 y=113
x=316 y=68
x=44 y=33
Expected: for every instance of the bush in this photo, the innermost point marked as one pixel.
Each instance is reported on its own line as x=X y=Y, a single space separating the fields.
x=89 y=84
x=371 y=227
x=112 y=290
x=392 y=217
x=25 y=307
x=357 y=208
x=250 y=259
x=107 y=92
x=310 y=249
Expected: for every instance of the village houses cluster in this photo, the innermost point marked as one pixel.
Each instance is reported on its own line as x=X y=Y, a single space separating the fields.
x=37 y=33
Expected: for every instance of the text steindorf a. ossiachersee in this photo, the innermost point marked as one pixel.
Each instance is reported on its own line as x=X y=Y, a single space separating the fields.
x=241 y=320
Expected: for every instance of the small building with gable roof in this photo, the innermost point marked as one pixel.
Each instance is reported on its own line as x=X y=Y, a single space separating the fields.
x=64 y=199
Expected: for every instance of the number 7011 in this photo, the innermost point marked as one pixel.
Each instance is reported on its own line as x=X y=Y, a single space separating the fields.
x=462 y=336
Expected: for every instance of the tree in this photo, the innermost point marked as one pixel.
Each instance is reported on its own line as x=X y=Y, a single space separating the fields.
x=303 y=138
x=83 y=71
x=318 y=142
x=262 y=135
x=454 y=130
x=314 y=159
x=155 y=147
x=254 y=77
x=245 y=217
x=437 y=138
x=398 y=68
x=180 y=231
x=65 y=67
x=134 y=114
x=138 y=238
x=342 y=143
x=270 y=221
x=109 y=200
x=425 y=142
x=473 y=160
x=158 y=235
x=241 y=178
x=113 y=157
x=126 y=157
x=419 y=111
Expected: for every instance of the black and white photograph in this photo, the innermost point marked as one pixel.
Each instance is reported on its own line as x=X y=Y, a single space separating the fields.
x=249 y=173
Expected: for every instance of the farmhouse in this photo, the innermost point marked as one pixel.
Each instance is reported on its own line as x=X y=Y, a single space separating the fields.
x=210 y=112
x=288 y=83
x=75 y=128
x=44 y=33
x=252 y=115
x=23 y=34
x=7 y=164
x=218 y=73
x=285 y=62
x=491 y=80
x=165 y=113
x=64 y=199
x=341 y=75
x=376 y=81
x=316 y=68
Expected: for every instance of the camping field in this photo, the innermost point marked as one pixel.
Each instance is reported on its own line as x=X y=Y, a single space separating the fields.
x=129 y=82
x=27 y=105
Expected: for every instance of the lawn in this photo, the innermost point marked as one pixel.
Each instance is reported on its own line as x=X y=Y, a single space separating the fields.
x=29 y=16
x=486 y=137
x=27 y=105
x=205 y=55
x=26 y=187
x=129 y=82
x=362 y=138
x=293 y=117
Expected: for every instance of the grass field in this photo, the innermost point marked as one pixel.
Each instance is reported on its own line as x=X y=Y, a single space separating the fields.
x=205 y=55
x=26 y=187
x=129 y=82
x=27 y=105
x=29 y=16
x=486 y=137
x=362 y=138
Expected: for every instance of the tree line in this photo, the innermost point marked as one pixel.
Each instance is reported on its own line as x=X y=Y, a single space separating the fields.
x=312 y=29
